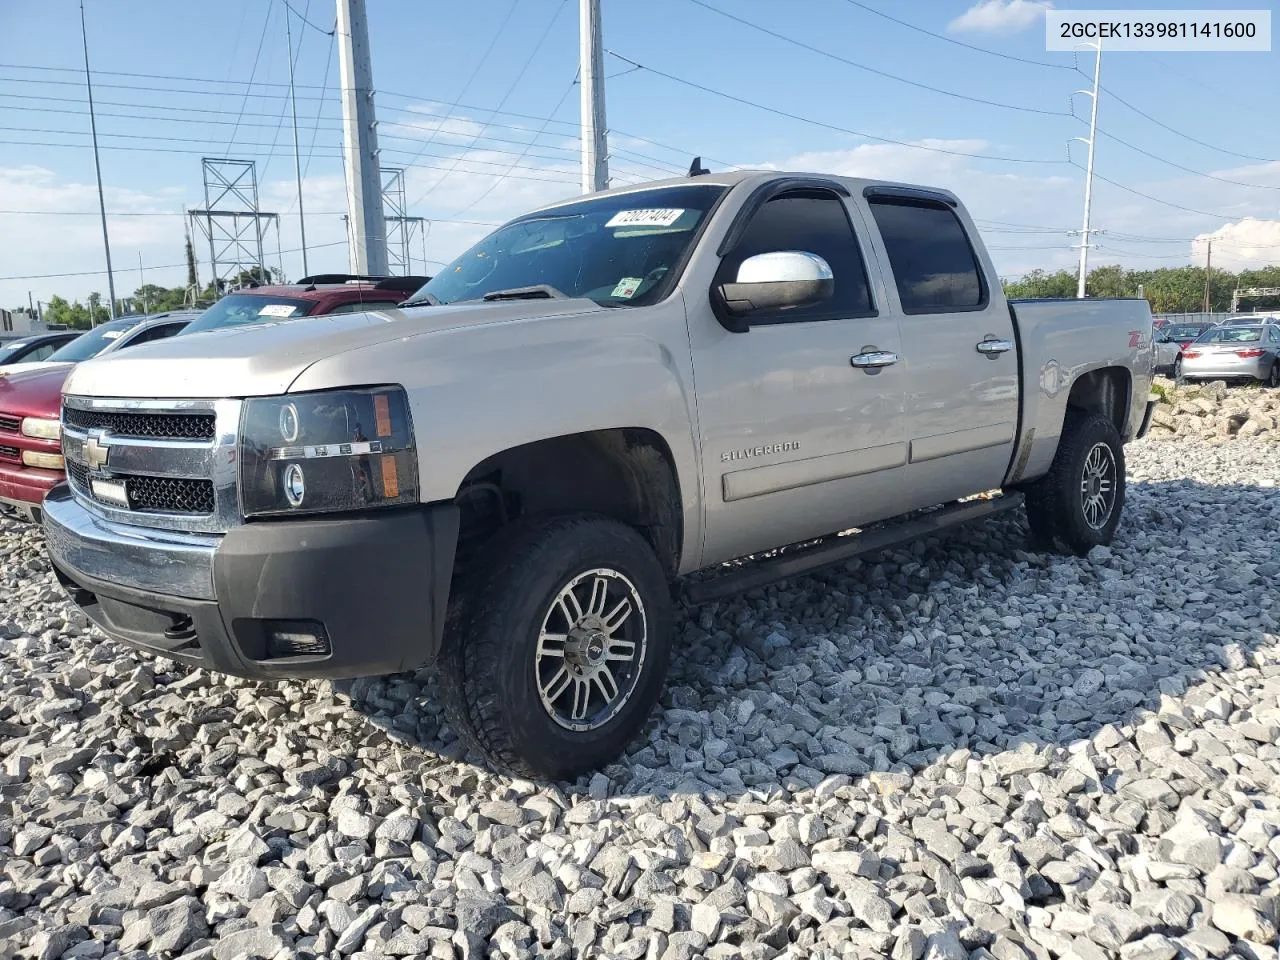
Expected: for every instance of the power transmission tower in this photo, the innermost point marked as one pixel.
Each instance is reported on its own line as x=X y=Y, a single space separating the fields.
x=595 y=147
x=1250 y=292
x=1088 y=174
x=97 y=169
x=232 y=222
x=401 y=228
x=368 y=251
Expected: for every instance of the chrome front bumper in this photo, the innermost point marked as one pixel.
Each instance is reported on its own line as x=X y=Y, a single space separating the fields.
x=163 y=562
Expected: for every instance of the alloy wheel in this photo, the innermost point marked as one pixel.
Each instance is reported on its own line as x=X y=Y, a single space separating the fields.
x=591 y=649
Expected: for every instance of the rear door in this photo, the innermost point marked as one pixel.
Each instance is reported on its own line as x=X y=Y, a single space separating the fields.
x=797 y=441
x=959 y=352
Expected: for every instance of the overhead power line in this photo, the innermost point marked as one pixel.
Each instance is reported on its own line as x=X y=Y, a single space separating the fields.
x=1185 y=136
x=1166 y=203
x=1186 y=169
x=880 y=73
x=824 y=124
x=958 y=43
x=252 y=73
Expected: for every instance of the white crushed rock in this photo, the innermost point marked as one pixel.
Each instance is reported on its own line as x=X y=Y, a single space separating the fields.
x=958 y=750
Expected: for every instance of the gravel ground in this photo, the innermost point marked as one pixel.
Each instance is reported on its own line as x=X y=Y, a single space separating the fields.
x=959 y=750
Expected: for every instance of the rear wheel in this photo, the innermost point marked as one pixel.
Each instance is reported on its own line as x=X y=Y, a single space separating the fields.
x=1177 y=370
x=1273 y=379
x=560 y=648
x=1079 y=501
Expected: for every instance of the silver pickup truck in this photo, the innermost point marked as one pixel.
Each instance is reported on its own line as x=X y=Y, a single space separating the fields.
x=510 y=476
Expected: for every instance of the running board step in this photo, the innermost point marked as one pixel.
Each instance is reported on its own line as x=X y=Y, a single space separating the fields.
x=845 y=548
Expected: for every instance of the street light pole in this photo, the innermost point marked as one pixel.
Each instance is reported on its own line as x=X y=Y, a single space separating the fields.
x=1088 y=174
x=97 y=167
x=297 y=165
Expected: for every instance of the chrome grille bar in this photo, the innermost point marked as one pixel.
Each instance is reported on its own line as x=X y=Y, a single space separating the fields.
x=145 y=462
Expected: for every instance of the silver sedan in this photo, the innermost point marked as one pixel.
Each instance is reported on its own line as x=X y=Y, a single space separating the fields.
x=1233 y=353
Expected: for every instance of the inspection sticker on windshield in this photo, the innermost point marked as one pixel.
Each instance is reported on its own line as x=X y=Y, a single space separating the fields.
x=277 y=310
x=645 y=217
x=627 y=287
x=112 y=334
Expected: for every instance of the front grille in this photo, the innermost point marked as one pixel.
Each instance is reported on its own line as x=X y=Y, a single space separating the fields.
x=10 y=423
x=10 y=453
x=159 y=426
x=170 y=494
x=153 y=494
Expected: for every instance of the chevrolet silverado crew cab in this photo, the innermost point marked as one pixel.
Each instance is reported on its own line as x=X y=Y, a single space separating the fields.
x=738 y=376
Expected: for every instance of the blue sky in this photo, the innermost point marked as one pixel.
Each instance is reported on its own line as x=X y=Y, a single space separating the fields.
x=444 y=69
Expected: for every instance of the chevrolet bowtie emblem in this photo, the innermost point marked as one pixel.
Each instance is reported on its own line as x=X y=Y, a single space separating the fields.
x=96 y=452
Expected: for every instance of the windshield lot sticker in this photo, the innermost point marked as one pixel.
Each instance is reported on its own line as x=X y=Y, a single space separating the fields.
x=645 y=217
x=112 y=334
x=277 y=310
x=627 y=287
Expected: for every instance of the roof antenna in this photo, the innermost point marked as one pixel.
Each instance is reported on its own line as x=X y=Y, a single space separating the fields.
x=696 y=169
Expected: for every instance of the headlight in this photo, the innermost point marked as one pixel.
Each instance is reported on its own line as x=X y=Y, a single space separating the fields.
x=327 y=452
x=44 y=461
x=42 y=429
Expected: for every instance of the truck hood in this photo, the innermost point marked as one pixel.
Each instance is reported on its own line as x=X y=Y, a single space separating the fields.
x=34 y=392
x=265 y=358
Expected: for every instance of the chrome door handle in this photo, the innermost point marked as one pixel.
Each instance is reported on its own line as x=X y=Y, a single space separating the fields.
x=992 y=348
x=876 y=358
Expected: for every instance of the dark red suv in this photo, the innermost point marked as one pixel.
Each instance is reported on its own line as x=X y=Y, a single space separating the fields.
x=31 y=402
x=309 y=297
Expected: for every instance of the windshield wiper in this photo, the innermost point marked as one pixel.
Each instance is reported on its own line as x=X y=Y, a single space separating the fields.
x=538 y=291
x=426 y=300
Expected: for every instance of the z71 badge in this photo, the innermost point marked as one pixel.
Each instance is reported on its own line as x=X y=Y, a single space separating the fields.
x=759 y=451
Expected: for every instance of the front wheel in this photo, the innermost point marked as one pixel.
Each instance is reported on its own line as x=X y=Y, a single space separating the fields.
x=1079 y=501
x=560 y=649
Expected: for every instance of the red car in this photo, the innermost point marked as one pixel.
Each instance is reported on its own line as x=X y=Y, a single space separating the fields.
x=31 y=400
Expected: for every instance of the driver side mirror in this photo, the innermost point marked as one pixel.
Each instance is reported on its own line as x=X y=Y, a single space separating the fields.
x=781 y=280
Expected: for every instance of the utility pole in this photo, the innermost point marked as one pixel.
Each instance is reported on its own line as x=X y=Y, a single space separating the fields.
x=1088 y=175
x=360 y=142
x=1208 y=272
x=102 y=206
x=595 y=156
x=297 y=165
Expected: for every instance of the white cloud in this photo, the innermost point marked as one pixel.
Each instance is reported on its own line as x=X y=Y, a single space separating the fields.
x=1000 y=16
x=1242 y=245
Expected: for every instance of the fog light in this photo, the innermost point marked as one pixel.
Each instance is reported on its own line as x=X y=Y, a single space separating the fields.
x=295 y=486
x=44 y=461
x=297 y=639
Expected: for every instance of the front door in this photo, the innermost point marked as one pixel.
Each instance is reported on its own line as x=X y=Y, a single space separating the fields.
x=798 y=438
x=960 y=359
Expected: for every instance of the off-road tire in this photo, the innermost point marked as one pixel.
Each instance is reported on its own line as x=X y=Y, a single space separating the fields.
x=488 y=673
x=1055 y=506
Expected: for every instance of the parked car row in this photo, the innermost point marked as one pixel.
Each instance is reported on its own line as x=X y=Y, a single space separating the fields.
x=32 y=348
x=31 y=461
x=1244 y=348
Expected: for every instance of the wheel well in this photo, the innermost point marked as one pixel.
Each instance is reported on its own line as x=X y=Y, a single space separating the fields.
x=628 y=474
x=1104 y=391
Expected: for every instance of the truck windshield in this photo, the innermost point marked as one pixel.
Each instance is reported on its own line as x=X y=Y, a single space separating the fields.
x=239 y=309
x=619 y=250
x=94 y=342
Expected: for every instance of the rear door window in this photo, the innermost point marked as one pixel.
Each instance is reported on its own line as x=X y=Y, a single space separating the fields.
x=933 y=263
